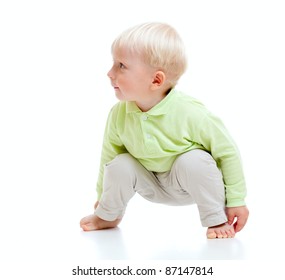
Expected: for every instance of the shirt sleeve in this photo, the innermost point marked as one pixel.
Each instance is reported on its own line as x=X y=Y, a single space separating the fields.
x=112 y=146
x=213 y=135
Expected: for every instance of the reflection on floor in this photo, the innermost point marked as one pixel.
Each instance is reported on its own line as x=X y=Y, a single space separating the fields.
x=151 y=231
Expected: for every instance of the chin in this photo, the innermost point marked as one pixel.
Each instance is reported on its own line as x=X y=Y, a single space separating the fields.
x=120 y=96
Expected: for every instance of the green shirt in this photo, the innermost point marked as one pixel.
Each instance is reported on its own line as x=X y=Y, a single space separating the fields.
x=178 y=124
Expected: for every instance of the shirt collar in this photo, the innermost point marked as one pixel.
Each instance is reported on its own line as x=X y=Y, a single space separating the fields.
x=159 y=109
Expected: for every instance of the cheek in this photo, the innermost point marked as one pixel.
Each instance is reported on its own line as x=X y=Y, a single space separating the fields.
x=125 y=82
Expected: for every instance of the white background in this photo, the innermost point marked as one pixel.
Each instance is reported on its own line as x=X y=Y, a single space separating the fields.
x=54 y=100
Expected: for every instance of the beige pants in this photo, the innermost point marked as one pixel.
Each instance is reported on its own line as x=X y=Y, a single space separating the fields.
x=193 y=178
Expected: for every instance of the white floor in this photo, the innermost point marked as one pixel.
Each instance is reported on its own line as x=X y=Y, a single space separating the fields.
x=51 y=240
x=157 y=232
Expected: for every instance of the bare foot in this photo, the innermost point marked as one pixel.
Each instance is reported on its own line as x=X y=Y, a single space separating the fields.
x=93 y=222
x=221 y=231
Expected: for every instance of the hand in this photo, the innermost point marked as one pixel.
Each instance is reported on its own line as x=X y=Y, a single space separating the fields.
x=240 y=213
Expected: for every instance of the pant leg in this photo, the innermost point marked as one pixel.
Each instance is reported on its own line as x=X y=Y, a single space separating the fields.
x=196 y=172
x=123 y=177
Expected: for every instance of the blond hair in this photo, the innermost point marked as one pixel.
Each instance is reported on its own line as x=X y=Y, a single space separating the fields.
x=159 y=45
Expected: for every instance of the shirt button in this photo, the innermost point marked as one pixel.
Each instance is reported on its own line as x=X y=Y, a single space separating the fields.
x=148 y=136
x=144 y=117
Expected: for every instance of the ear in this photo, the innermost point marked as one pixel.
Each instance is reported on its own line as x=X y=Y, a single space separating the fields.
x=158 y=80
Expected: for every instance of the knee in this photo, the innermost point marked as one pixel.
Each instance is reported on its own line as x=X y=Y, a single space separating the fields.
x=195 y=161
x=121 y=165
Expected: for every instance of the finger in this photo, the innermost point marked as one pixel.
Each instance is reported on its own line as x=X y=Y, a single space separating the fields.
x=231 y=217
x=240 y=223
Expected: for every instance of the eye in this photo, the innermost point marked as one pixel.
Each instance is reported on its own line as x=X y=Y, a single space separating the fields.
x=122 y=66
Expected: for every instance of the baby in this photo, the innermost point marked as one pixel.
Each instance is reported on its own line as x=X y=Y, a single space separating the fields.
x=162 y=143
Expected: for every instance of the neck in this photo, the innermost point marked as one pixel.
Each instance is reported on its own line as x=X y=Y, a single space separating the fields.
x=146 y=105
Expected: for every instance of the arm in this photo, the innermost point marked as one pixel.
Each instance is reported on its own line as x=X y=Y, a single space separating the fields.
x=112 y=146
x=215 y=138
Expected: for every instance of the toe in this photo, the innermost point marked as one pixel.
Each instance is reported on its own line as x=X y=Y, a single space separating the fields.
x=88 y=227
x=221 y=231
x=224 y=234
x=231 y=234
x=219 y=235
x=85 y=227
x=211 y=235
x=88 y=223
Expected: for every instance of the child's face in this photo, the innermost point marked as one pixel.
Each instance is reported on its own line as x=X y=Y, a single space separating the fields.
x=130 y=76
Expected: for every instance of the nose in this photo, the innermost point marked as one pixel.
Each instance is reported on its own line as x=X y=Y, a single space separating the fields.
x=110 y=73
